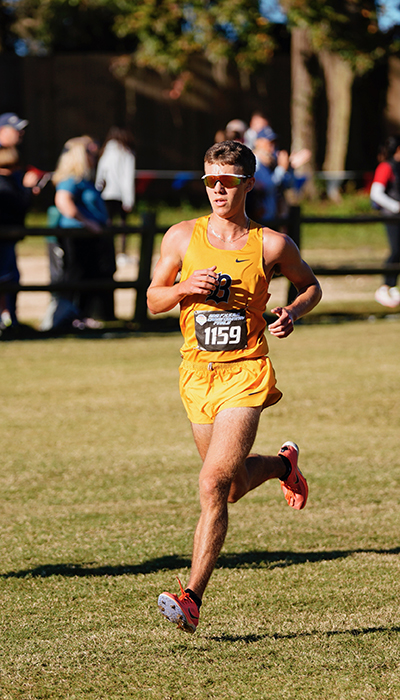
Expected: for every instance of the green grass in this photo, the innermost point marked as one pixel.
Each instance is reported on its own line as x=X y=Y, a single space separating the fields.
x=359 y=241
x=99 y=502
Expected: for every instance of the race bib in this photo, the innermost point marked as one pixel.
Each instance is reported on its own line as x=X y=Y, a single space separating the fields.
x=221 y=330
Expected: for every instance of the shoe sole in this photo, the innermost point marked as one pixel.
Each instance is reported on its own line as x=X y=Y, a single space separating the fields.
x=289 y=443
x=169 y=608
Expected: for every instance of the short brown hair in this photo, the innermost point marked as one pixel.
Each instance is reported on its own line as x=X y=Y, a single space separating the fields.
x=232 y=153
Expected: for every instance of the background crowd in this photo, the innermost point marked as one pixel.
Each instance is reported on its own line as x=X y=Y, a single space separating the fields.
x=95 y=186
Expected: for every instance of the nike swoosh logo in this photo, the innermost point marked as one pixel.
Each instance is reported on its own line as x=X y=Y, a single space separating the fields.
x=239 y=261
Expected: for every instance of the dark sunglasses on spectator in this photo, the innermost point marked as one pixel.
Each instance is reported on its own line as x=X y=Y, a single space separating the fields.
x=225 y=180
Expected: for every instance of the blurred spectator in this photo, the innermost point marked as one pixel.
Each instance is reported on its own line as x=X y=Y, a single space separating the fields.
x=265 y=202
x=258 y=122
x=274 y=175
x=115 y=176
x=385 y=194
x=79 y=205
x=235 y=130
x=12 y=129
x=14 y=201
x=219 y=136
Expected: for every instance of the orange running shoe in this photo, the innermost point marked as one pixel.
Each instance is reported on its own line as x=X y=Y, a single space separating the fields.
x=295 y=487
x=180 y=609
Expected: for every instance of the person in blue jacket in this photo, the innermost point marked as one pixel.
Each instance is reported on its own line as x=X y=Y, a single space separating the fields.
x=80 y=205
x=273 y=175
x=14 y=202
x=276 y=172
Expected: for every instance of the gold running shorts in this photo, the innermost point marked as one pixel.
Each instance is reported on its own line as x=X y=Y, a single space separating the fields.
x=207 y=388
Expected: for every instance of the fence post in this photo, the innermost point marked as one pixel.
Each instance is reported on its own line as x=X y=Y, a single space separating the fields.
x=146 y=254
x=293 y=230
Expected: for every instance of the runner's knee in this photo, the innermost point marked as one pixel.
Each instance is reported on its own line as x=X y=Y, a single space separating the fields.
x=213 y=488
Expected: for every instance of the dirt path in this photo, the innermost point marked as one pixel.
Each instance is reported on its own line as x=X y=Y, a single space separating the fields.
x=35 y=270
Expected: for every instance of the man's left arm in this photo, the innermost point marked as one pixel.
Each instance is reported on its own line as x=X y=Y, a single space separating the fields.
x=296 y=270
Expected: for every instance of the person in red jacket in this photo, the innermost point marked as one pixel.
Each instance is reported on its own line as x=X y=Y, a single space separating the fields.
x=385 y=193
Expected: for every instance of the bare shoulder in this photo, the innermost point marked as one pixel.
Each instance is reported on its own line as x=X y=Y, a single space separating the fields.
x=276 y=246
x=282 y=255
x=173 y=249
x=182 y=228
x=174 y=245
x=178 y=236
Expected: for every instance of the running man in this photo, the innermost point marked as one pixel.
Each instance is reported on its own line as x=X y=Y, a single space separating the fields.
x=226 y=263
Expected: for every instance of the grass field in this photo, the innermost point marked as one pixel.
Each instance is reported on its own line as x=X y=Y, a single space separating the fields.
x=99 y=502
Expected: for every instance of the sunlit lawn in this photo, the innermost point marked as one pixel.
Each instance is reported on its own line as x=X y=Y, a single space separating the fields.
x=99 y=503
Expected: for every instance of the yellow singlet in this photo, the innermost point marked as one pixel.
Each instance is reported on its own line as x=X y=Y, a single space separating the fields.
x=228 y=324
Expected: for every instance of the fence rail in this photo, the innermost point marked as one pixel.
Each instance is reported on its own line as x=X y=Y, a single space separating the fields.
x=148 y=231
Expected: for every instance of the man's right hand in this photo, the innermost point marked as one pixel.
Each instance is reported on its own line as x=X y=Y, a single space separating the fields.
x=201 y=282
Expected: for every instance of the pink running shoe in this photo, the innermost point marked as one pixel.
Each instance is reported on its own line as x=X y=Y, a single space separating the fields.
x=295 y=487
x=181 y=610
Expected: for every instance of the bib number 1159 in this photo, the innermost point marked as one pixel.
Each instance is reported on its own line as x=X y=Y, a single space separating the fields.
x=221 y=330
x=221 y=335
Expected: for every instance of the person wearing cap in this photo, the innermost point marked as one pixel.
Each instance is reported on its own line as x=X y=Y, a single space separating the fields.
x=274 y=175
x=14 y=197
x=265 y=146
x=14 y=202
x=258 y=121
x=271 y=177
x=12 y=129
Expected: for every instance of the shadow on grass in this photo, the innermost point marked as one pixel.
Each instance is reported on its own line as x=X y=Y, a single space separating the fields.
x=242 y=560
x=252 y=638
x=89 y=569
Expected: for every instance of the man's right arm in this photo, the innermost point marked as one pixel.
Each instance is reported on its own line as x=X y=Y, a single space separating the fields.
x=163 y=294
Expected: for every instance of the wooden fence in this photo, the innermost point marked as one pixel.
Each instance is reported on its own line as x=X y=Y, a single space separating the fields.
x=148 y=231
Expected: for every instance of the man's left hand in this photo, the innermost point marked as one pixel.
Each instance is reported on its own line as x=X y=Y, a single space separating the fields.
x=283 y=326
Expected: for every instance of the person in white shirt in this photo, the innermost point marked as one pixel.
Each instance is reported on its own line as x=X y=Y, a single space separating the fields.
x=115 y=175
x=385 y=194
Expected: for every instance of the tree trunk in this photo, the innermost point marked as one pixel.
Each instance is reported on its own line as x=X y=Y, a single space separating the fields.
x=303 y=130
x=338 y=80
x=392 y=112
